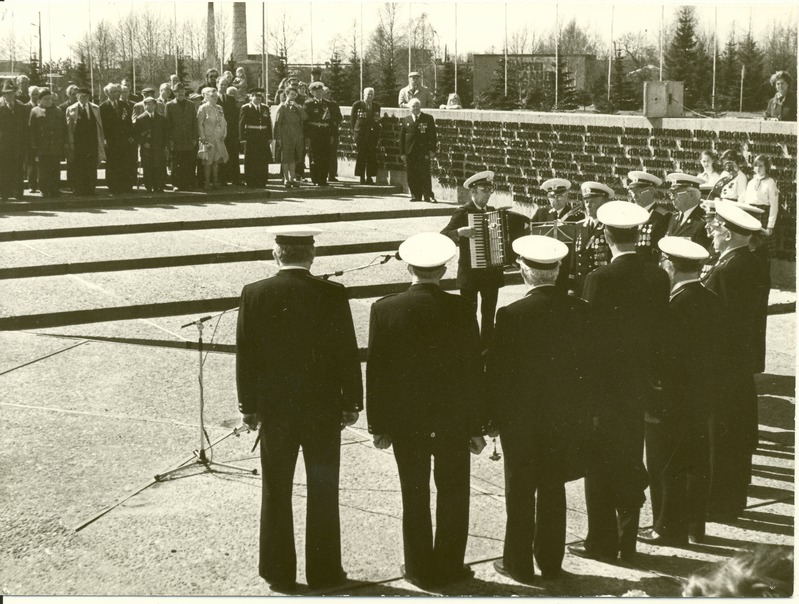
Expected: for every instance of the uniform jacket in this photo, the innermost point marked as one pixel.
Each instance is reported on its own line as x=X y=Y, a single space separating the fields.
x=13 y=130
x=365 y=123
x=181 y=119
x=418 y=137
x=693 y=228
x=252 y=116
x=545 y=214
x=741 y=280
x=153 y=130
x=72 y=118
x=469 y=277
x=296 y=353
x=423 y=371
x=320 y=117
x=652 y=231
x=590 y=252
x=48 y=132
x=537 y=381
x=117 y=124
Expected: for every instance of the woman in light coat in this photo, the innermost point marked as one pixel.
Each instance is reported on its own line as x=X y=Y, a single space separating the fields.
x=212 y=129
x=288 y=132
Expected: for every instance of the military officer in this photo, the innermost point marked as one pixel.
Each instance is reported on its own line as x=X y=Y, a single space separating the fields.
x=319 y=129
x=85 y=140
x=628 y=299
x=415 y=90
x=538 y=392
x=471 y=281
x=677 y=430
x=424 y=397
x=152 y=134
x=418 y=148
x=13 y=142
x=740 y=279
x=255 y=131
x=298 y=373
x=689 y=219
x=641 y=190
x=365 y=123
x=335 y=111
x=590 y=248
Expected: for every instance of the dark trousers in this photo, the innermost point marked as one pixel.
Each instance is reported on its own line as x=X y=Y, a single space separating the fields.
x=611 y=530
x=49 y=175
x=534 y=526
x=319 y=156
x=183 y=164
x=257 y=157
x=85 y=172
x=428 y=558
x=132 y=164
x=488 y=308
x=366 y=157
x=118 y=174
x=332 y=170
x=11 y=177
x=321 y=447
x=32 y=171
x=153 y=164
x=230 y=171
x=418 y=170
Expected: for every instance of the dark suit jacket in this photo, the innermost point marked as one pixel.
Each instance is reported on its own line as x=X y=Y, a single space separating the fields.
x=741 y=280
x=365 y=124
x=182 y=123
x=117 y=125
x=693 y=228
x=153 y=130
x=418 y=138
x=538 y=383
x=296 y=353
x=13 y=130
x=424 y=372
x=230 y=109
x=48 y=132
x=469 y=277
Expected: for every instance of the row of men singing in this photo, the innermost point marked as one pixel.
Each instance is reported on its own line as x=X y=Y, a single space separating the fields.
x=573 y=385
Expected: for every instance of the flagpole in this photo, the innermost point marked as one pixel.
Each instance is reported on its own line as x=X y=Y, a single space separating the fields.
x=456 y=48
x=715 y=52
x=506 y=49
x=360 y=91
x=264 y=77
x=50 y=43
x=410 y=26
x=310 y=21
x=557 y=44
x=175 y=20
x=662 y=19
x=91 y=63
x=610 y=54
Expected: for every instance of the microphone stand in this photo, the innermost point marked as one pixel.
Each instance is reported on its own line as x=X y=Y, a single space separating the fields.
x=202 y=458
x=383 y=259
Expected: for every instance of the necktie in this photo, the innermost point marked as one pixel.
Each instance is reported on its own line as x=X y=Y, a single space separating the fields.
x=680 y=217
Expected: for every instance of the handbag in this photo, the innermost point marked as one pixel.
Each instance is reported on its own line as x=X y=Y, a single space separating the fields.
x=202 y=153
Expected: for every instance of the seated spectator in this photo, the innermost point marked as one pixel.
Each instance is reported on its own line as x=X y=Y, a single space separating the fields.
x=710 y=166
x=453 y=102
x=782 y=106
x=765 y=572
x=732 y=184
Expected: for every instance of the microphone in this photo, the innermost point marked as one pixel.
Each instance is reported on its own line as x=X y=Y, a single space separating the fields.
x=197 y=322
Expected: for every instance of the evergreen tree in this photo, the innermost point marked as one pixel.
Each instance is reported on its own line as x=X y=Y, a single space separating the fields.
x=183 y=73
x=81 y=73
x=32 y=71
x=566 y=88
x=780 y=49
x=756 y=88
x=496 y=97
x=620 y=95
x=704 y=65
x=681 y=60
x=446 y=82
x=336 y=80
x=728 y=74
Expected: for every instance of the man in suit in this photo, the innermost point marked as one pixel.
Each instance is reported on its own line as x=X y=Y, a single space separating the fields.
x=335 y=111
x=538 y=393
x=641 y=190
x=255 y=131
x=740 y=279
x=230 y=171
x=31 y=170
x=85 y=140
x=689 y=219
x=72 y=98
x=319 y=129
x=138 y=108
x=164 y=96
x=181 y=118
x=152 y=133
x=365 y=123
x=119 y=137
x=298 y=373
x=13 y=143
x=628 y=299
x=415 y=90
x=677 y=430
x=473 y=281
x=424 y=397
x=48 y=134
x=418 y=148
x=590 y=248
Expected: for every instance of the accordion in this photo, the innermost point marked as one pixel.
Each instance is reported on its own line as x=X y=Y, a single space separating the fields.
x=490 y=244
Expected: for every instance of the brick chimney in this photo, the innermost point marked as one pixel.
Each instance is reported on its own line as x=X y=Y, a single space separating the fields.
x=210 y=38
x=239 y=32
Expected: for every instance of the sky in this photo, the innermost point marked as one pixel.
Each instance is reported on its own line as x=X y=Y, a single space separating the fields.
x=480 y=25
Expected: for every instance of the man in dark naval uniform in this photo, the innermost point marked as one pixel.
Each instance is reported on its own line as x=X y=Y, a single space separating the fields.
x=152 y=133
x=590 y=248
x=677 y=430
x=298 y=373
x=417 y=148
x=538 y=393
x=13 y=142
x=119 y=137
x=740 y=279
x=424 y=396
x=471 y=281
x=641 y=190
x=255 y=131
x=365 y=122
x=689 y=219
x=628 y=300
x=319 y=129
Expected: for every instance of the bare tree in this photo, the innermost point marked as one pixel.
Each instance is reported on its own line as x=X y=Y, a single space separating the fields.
x=223 y=31
x=283 y=37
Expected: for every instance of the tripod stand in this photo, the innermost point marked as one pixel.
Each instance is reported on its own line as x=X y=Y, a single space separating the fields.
x=202 y=458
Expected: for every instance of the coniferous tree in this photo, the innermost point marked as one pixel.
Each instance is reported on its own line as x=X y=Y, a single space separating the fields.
x=620 y=95
x=756 y=88
x=496 y=97
x=728 y=73
x=33 y=72
x=81 y=74
x=183 y=73
x=566 y=88
x=336 y=79
x=681 y=60
x=780 y=49
x=446 y=82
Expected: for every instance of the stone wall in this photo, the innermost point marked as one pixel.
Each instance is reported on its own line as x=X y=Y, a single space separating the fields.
x=527 y=148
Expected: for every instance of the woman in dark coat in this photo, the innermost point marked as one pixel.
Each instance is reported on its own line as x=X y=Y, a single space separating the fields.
x=782 y=106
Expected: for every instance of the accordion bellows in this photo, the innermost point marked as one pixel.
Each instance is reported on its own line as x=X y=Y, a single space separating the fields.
x=490 y=245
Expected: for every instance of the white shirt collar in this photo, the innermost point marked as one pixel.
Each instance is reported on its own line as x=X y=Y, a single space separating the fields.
x=293 y=267
x=620 y=254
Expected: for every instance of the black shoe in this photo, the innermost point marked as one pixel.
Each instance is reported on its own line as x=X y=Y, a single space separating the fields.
x=463 y=574
x=327 y=584
x=363 y=181
x=423 y=584
x=526 y=578
x=333 y=179
x=415 y=199
x=652 y=537
x=369 y=181
x=283 y=587
x=581 y=551
x=696 y=532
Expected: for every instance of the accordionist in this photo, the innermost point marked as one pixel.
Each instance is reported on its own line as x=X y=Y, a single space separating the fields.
x=471 y=280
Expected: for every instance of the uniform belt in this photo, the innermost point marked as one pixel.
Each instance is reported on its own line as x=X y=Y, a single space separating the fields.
x=318 y=124
x=257 y=127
